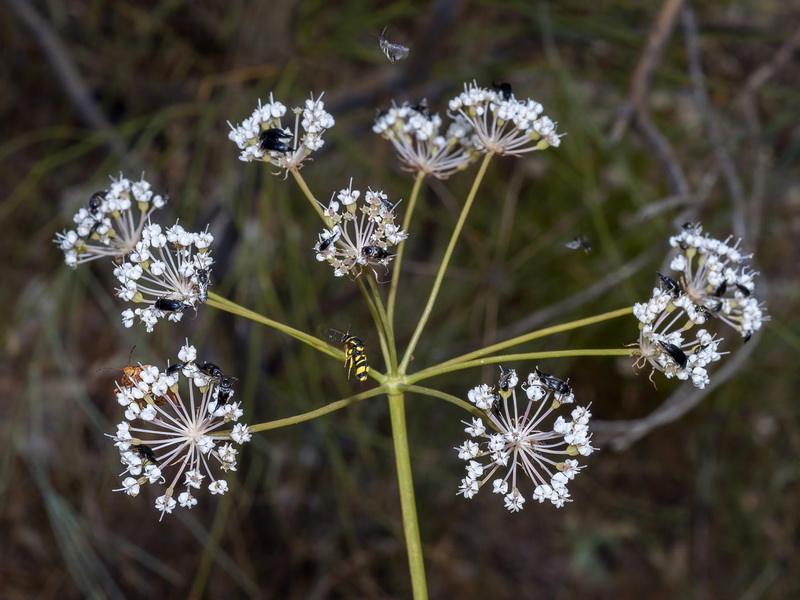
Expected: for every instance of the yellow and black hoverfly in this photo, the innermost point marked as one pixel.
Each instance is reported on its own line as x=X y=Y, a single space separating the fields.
x=355 y=357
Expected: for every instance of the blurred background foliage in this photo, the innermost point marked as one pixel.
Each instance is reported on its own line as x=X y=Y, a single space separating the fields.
x=696 y=505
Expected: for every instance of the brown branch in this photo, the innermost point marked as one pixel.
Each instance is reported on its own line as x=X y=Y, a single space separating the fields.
x=729 y=171
x=747 y=100
x=646 y=67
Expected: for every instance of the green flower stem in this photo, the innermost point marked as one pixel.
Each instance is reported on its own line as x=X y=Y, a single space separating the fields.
x=231 y=307
x=303 y=186
x=328 y=408
x=398 y=259
x=408 y=507
x=423 y=391
x=507 y=358
x=376 y=317
x=391 y=360
x=534 y=335
x=426 y=313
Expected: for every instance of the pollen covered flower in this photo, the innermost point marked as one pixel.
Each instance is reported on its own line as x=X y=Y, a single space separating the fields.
x=106 y=227
x=168 y=271
x=263 y=136
x=415 y=134
x=715 y=275
x=525 y=441
x=503 y=124
x=167 y=430
x=359 y=234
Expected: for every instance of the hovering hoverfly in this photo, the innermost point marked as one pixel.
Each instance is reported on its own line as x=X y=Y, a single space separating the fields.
x=355 y=357
x=393 y=52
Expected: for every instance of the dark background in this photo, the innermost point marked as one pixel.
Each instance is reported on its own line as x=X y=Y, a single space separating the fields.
x=691 y=496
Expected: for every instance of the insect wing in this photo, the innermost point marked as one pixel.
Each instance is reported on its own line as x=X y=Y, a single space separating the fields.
x=393 y=52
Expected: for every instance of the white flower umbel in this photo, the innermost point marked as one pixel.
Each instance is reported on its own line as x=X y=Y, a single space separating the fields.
x=415 y=134
x=165 y=272
x=665 y=323
x=714 y=275
x=165 y=430
x=359 y=234
x=520 y=443
x=263 y=136
x=503 y=124
x=106 y=227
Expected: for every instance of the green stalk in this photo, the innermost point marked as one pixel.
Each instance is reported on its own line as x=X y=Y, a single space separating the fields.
x=621 y=312
x=408 y=507
x=376 y=318
x=223 y=304
x=303 y=186
x=398 y=259
x=507 y=358
x=391 y=360
x=313 y=414
x=445 y=262
x=424 y=391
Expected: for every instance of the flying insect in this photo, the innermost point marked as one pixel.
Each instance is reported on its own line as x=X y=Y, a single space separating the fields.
x=393 y=52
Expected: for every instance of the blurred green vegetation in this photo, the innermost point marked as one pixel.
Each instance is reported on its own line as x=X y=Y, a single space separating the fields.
x=704 y=507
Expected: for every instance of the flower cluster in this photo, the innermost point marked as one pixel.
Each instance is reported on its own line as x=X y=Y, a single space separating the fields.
x=163 y=429
x=263 y=137
x=503 y=124
x=521 y=441
x=712 y=286
x=415 y=134
x=165 y=273
x=106 y=226
x=373 y=232
x=714 y=275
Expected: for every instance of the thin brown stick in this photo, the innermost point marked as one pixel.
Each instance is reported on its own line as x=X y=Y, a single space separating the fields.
x=678 y=184
x=747 y=100
x=729 y=171
x=63 y=67
x=646 y=67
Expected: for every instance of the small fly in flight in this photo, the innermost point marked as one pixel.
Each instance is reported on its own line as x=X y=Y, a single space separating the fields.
x=579 y=242
x=393 y=52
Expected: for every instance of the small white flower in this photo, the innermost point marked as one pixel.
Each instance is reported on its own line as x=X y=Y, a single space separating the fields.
x=220 y=486
x=241 y=434
x=468 y=488
x=514 y=501
x=500 y=486
x=186 y=500
x=165 y=504
x=193 y=478
x=476 y=428
x=468 y=450
x=130 y=486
